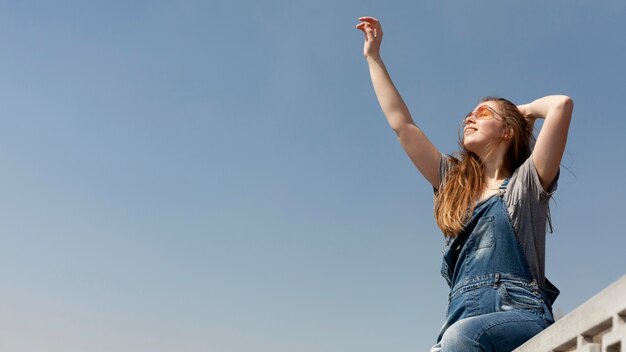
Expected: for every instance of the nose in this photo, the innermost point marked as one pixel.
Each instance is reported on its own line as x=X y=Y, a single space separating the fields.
x=470 y=117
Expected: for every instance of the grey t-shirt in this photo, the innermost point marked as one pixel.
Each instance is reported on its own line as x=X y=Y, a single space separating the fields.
x=527 y=205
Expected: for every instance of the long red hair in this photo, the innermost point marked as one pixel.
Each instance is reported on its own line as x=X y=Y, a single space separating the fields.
x=465 y=181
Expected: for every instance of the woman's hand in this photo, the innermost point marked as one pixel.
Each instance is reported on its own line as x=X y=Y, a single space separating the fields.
x=528 y=114
x=373 y=36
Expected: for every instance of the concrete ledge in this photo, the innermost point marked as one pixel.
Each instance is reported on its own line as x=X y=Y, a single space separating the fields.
x=598 y=325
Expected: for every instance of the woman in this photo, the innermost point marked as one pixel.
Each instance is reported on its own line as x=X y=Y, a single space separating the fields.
x=491 y=203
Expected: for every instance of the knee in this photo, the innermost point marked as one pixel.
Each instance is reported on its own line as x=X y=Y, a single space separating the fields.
x=460 y=337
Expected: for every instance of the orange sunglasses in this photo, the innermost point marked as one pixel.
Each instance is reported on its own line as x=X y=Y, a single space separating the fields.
x=484 y=112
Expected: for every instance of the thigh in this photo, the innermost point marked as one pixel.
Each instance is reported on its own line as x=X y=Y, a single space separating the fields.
x=493 y=332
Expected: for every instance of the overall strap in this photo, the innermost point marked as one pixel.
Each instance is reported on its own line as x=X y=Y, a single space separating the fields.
x=502 y=188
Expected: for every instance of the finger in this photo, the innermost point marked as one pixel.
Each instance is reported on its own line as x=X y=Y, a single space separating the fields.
x=361 y=28
x=369 y=32
x=367 y=29
x=369 y=19
x=363 y=25
x=374 y=23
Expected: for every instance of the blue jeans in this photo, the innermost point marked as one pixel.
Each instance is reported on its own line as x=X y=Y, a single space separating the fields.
x=498 y=332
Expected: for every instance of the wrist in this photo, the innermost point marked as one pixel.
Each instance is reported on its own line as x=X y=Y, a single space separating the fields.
x=374 y=59
x=528 y=112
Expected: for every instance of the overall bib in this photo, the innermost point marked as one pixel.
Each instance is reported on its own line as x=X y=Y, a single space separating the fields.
x=494 y=304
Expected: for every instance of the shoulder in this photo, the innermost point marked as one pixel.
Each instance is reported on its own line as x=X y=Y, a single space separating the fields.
x=525 y=179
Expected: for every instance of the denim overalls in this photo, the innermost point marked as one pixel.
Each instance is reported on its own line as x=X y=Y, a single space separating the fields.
x=494 y=303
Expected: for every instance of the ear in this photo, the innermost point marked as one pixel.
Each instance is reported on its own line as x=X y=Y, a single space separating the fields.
x=508 y=134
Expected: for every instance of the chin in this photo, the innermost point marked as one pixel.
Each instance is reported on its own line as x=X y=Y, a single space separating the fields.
x=471 y=146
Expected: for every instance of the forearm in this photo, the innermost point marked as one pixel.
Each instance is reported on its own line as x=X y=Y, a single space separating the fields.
x=550 y=144
x=541 y=107
x=390 y=101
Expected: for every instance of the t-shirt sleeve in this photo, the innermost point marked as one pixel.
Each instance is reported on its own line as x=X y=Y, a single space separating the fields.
x=525 y=183
x=444 y=167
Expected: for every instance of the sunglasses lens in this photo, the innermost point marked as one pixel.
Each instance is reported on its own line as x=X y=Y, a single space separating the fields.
x=483 y=113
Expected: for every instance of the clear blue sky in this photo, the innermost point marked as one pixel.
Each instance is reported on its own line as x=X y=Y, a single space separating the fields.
x=218 y=176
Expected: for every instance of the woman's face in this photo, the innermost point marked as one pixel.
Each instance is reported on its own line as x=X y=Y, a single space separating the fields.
x=483 y=127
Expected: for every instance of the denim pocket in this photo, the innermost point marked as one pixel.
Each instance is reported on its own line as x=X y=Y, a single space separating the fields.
x=483 y=234
x=514 y=297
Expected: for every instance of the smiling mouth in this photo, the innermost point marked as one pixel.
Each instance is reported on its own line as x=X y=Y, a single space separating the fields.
x=469 y=130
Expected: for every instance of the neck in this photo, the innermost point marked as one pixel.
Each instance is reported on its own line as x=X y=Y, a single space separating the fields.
x=494 y=166
x=494 y=172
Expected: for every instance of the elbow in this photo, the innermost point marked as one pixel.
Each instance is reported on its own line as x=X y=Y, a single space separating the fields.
x=567 y=103
x=564 y=106
x=401 y=128
x=397 y=131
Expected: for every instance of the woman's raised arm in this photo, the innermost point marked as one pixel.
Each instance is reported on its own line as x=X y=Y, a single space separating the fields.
x=550 y=145
x=420 y=150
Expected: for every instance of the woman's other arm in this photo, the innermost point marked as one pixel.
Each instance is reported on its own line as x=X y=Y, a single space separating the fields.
x=550 y=145
x=420 y=150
